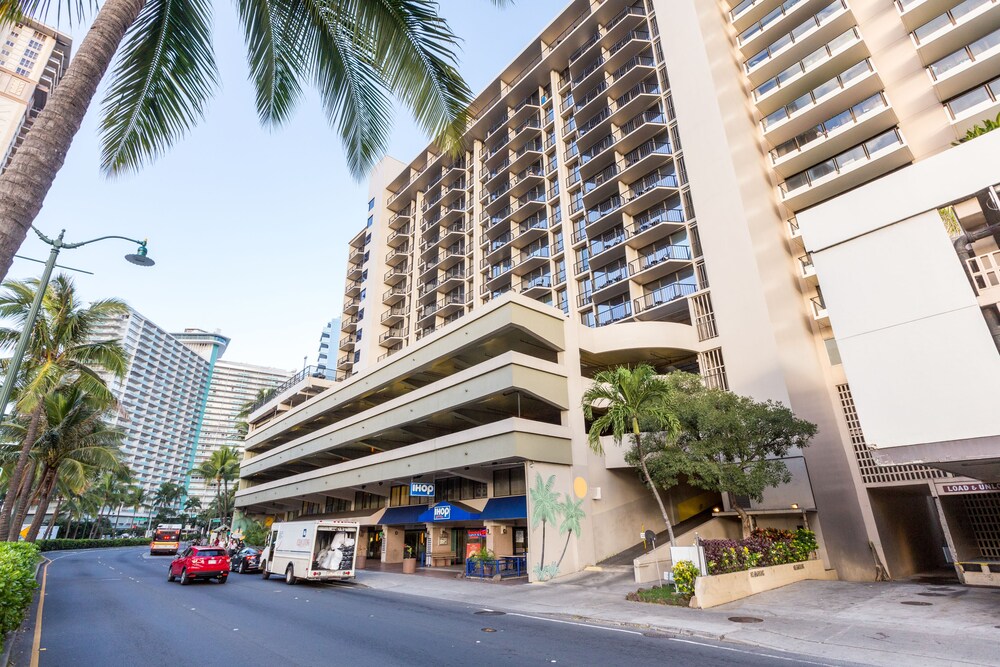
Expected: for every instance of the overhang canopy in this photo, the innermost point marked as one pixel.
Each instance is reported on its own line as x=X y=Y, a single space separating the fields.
x=512 y=507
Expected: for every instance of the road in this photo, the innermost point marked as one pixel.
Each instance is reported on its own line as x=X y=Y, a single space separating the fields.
x=112 y=607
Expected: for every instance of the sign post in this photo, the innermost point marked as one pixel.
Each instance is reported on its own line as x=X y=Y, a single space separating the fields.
x=650 y=537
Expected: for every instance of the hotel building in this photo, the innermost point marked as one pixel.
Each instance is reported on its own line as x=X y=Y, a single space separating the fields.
x=33 y=58
x=631 y=192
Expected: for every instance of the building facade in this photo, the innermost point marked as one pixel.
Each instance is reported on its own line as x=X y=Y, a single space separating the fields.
x=326 y=357
x=161 y=399
x=33 y=58
x=634 y=180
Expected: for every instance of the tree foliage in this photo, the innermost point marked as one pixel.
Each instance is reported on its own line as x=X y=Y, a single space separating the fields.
x=726 y=442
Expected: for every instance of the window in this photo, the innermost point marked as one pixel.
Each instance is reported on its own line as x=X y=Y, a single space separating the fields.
x=458 y=488
x=368 y=501
x=364 y=290
x=337 y=505
x=371 y=220
x=22 y=71
x=367 y=254
x=358 y=335
x=509 y=482
x=368 y=236
x=357 y=356
x=371 y=203
x=399 y=496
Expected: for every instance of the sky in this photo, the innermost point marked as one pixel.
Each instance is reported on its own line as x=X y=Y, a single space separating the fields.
x=248 y=227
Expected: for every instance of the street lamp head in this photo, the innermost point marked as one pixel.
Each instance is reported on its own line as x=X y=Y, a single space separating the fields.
x=139 y=257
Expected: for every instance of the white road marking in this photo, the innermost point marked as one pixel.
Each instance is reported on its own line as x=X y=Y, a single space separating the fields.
x=582 y=625
x=736 y=650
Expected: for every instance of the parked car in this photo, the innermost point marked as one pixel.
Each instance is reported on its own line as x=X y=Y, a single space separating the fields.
x=199 y=563
x=245 y=560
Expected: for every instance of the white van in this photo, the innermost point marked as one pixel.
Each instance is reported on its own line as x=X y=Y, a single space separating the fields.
x=320 y=550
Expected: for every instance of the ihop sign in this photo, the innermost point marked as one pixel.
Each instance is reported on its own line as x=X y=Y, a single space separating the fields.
x=422 y=489
x=442 y=513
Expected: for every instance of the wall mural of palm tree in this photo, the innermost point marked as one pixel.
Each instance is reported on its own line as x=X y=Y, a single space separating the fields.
x=546 y=508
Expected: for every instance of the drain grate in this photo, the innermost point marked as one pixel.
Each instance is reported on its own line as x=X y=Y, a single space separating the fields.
x=746 y=619
x=490 y=612
x=916 y=603
x=933 y=595
x=941 y=589
x=489 y=629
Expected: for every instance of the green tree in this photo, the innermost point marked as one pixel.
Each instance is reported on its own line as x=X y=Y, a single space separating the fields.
x=979 y=129
x=356 y=53
x=727 y=443
x=242 y=427
x=221 y=468
x=76 y=441
x=62 y=350
x=625 y=400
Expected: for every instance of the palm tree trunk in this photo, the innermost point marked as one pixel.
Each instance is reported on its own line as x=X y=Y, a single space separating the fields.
x=26 y=182
x=55 y=518
x=23 y=503
x=565 y=546
x=649 y=481
x=14 y=483
x=47 y=487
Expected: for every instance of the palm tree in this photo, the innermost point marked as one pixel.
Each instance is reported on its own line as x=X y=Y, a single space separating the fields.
x=627 y=398
x=167 y=495
x=61 y=350
x=76 y=441
x=242 y=427
x=571 y=511
x=222 y=467
x=543 y=509
x=356 y=53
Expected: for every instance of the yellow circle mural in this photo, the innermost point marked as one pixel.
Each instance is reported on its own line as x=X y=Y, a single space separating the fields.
x=580 y=487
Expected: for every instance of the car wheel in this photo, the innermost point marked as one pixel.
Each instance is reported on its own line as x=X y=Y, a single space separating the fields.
x=243 y=567
x=170 y=574
x=185 y=579
x=223 y=578
x=264 y=573
x=290 y=576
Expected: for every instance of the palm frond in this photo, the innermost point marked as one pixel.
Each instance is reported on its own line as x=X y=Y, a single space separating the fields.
x=164 y=77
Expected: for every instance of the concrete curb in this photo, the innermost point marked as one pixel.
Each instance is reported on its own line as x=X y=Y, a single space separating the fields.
x=8 y=641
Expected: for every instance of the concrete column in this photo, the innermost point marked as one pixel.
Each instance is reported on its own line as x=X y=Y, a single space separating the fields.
x=500 y=538
x=392 y=545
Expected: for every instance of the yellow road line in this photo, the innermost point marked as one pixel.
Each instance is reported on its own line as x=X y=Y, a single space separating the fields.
x=37 y=643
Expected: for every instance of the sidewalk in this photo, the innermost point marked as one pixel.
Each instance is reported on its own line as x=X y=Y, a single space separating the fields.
x=866 y=623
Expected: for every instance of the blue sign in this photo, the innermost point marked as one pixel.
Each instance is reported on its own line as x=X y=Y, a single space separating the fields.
x=442 y=513
x=422 y=489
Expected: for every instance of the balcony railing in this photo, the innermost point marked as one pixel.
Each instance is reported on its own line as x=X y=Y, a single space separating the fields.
x=984 y=95
x=811 y=61
x=837 y=164
x=658 y=256
x=609 y=314
x=664 y=295
x=307 y=372
x=977 y=50
x=851 y=116
x=816 y=95
x=800 y=32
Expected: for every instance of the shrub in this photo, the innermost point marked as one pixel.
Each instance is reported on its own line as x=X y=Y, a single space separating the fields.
x=685 y=572
x=764 y=547
x=63 y=545
x=17 y=583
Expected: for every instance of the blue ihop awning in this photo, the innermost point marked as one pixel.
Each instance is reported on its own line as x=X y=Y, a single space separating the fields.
x=445 y=511
x=397 y=516
x=511 y=507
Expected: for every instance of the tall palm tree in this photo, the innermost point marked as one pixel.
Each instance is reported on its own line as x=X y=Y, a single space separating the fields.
x=221 y=468
x=61 y=350
x=77 y=440
x=627 y=398
x=356 y=53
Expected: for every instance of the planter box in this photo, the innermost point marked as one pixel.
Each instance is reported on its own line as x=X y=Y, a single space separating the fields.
x=722 y=588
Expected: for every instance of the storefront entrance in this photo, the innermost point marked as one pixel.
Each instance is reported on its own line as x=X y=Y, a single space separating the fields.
x=374 y=545
x=415 y=544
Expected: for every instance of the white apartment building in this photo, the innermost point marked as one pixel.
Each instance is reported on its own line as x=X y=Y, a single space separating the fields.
x=632 y=192
x=326 y=357
x=161 y=399
x=33 y=58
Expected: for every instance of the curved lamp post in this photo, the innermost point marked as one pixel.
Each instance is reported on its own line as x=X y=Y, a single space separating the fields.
x=138 y=257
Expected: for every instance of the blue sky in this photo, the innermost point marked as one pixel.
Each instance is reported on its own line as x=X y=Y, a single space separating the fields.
x=248 y=227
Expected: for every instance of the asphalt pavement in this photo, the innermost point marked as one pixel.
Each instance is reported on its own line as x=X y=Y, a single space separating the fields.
x=111 y=607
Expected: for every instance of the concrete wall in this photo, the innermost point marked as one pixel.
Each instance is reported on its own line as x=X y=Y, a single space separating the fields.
x=910 y=530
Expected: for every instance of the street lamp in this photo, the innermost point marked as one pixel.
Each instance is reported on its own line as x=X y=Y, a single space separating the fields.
x=138 y=257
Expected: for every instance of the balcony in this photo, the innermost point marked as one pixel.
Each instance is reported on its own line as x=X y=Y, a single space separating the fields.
x=972 y=106
x=633 y=101
x=354 y=288
x=492 y=249
x=819 y=311
x=450 y=304
x=527 y=205
x=351 y=306
x=806 y=269
x=525 y=179
x=855 y=84
x=803 y=39
x=952 y=30
x=656 y=223
x=397 y=274
x=400 y=236
x=349 y=324
x=395 y=295
x=402 y=218
x=858 y=165
x=347 y=343
x=530 y=230
x=452 y=212
x=587 y=104
x=966 y=67
x=529 y=260
x=622 y=22
x=393 y=316
x=452 y=278
x=392 y=337
x=346 y=362
x=661 y=261
x=629 y=46
x=819 y=66
x=397 y=256
x=630 y=74
x=535 y=287
x=649 y=190
x=612 y=313
x=605 y=242
x=604 y=216
x=664 y=301
x=497 y=275
x=833 y=135
x=526 y=154
x=615 y=275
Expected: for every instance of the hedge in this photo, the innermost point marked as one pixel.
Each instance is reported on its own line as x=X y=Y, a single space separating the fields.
x=63 y=545
x=764 y=547
x=17 y=583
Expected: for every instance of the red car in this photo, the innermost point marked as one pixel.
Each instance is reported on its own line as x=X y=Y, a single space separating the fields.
x=200 y=563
